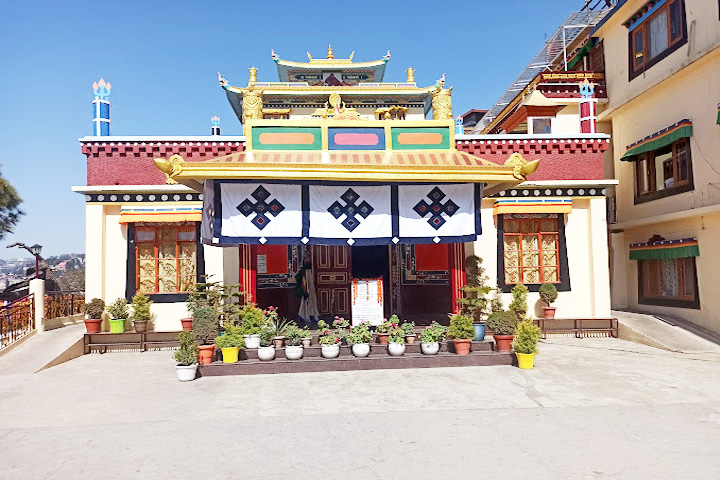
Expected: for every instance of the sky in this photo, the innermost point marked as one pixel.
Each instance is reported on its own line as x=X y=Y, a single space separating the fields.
x=162 y=60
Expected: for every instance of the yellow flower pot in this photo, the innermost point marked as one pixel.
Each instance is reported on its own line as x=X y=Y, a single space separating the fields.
x=525 y=360
x=230 y=355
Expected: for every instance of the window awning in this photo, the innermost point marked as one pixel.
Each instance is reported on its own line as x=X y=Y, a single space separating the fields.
x=663 y=138
x=687 y=247
x=532 y=205
x=183 y=213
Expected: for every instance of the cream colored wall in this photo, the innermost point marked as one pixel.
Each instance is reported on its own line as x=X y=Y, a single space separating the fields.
x=567 y=121
x=586 y=240
x=706 y=229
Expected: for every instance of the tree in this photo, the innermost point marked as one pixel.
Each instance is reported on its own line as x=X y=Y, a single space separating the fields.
x=9 y=211
x=475 y=302
x=72 y=280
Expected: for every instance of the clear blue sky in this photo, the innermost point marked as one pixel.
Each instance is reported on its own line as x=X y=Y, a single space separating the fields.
x=162 y=59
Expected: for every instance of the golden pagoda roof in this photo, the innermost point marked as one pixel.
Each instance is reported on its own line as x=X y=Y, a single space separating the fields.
x=330 y=63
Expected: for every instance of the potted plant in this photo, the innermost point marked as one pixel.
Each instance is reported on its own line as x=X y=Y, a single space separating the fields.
x=293 y=349
x=278 y=326
x=408 y=329
x=383 y=330
x=396 y=342
x=518 y=305
x=186 y=357
x=462 y=333
x=360 y=337
x=186 y=324
x=341 y=325
x=527 y=336
x=93 y=310
x=548 y=294
x=118 y=312
x=205 y=328
x=474 y=302
x=503 y=326
x=266 y=349
x=230 y=343
x=430 y=338
x=253 y=320
x=141 y=315
x=305 y=337
x=330 y=344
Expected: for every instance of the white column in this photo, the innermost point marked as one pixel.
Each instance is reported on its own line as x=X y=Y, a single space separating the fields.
x=600 y=283
x=37 y=290
x=94 y=252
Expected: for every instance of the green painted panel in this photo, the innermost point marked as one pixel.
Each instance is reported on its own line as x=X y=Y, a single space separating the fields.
x=286 y=138
x=670 y=252
x=420 y=138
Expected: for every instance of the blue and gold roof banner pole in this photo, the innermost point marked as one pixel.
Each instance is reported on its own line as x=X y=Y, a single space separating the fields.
x=101 y=108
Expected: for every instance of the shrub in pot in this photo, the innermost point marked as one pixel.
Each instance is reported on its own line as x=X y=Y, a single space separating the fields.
x=205 y=327
x=330 y=344
x=396 y=342
x=430 y=338
x=548 y=294
x=266 y=349
x=230 y=344
x=186 y=357
x=408 y=329
x=93 y=310
x=518 y=305
x=305 y=337
x=252 y=321
x=462 y=333
x=383 y=330
x=118 y=312
x=141 y=315
x=475 y=302
x=293 y=348
x=527 y=336
x=359 y=337
x=503 y=326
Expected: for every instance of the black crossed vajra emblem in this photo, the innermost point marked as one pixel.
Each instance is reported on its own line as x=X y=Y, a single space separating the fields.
x=435 y=208
x=260 y=208
x=350 y=209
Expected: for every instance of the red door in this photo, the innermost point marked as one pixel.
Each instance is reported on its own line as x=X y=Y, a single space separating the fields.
x=332 y=266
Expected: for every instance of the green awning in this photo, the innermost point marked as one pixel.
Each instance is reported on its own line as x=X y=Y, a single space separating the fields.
x=687 y=247
x=581 y=52
x=663 y=138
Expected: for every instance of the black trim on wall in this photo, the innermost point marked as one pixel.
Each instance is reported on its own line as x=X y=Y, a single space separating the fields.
x=563 y=286
x=642 y=300
x=161 y=297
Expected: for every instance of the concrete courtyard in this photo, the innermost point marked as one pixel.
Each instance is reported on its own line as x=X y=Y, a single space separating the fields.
x=592 y=409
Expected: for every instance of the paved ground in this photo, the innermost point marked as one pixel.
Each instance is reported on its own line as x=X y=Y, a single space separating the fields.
x=592 y=409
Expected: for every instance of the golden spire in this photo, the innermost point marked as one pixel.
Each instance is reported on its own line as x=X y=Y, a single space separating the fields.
x=410 y=75
x=330 y=55
x=253 y=76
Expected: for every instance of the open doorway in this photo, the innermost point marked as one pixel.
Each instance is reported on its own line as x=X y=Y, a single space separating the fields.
x=373 y=262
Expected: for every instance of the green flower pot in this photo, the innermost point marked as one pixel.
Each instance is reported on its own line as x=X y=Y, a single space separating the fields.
x=117 y=326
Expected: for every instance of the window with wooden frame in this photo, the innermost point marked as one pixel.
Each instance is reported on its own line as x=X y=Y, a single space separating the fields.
x=165 y=258
x=668 y=281
x=656 y=36
x=532 y=251
x=662 y=172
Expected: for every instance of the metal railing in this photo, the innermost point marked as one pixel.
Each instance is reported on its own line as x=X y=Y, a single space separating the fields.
x=63 y=304
x=16 y=321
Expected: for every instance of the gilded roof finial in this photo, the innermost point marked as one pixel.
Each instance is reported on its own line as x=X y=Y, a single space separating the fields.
x=330 y=55
x=253 y=75
x=410 y=75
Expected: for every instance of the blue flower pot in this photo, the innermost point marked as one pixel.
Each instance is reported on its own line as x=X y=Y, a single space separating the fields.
x=479 y=332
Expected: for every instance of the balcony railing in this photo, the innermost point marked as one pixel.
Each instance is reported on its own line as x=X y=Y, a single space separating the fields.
x=63 y=304
x=16 y=321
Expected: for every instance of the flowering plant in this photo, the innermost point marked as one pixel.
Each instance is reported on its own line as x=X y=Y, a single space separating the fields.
x=386 y=326
x=329 y=338
x=270 y=314
x=396 y=336
x=360 y=333
x=408 y=328
x=433 y=333
x=340 y=322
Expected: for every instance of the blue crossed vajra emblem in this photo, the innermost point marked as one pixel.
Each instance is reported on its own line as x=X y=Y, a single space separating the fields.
x=260 y=208
x=350 y=209
x=435 y=208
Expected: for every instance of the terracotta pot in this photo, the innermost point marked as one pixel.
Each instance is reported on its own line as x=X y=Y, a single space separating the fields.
x=306 y=342
x=206 y=354
x=141 y=327
x=92 y=325
x=410 y=338
x=383 y=338
x=504 y=342
x=549 y=312
x=278 y=342
x=462 y=346
x=187 y=324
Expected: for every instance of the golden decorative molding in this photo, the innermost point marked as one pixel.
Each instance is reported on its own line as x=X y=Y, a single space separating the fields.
x=252 y=105
x=172 y=167
x=252 y=76
x=276 y=111
x=410 y=75
x=521 y=167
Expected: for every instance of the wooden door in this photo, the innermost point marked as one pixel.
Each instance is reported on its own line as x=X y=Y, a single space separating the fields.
x=332 y=267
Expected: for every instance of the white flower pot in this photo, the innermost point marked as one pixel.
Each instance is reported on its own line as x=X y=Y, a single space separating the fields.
x=293 y=352
x=396 y=349
x=430 y=348
x=361 y=349
x=330 y=351
x=266 y=353
x=252 y=341
x=186 y=373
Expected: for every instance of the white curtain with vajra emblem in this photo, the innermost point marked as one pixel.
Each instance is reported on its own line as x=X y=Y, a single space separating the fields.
x=340 y=214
